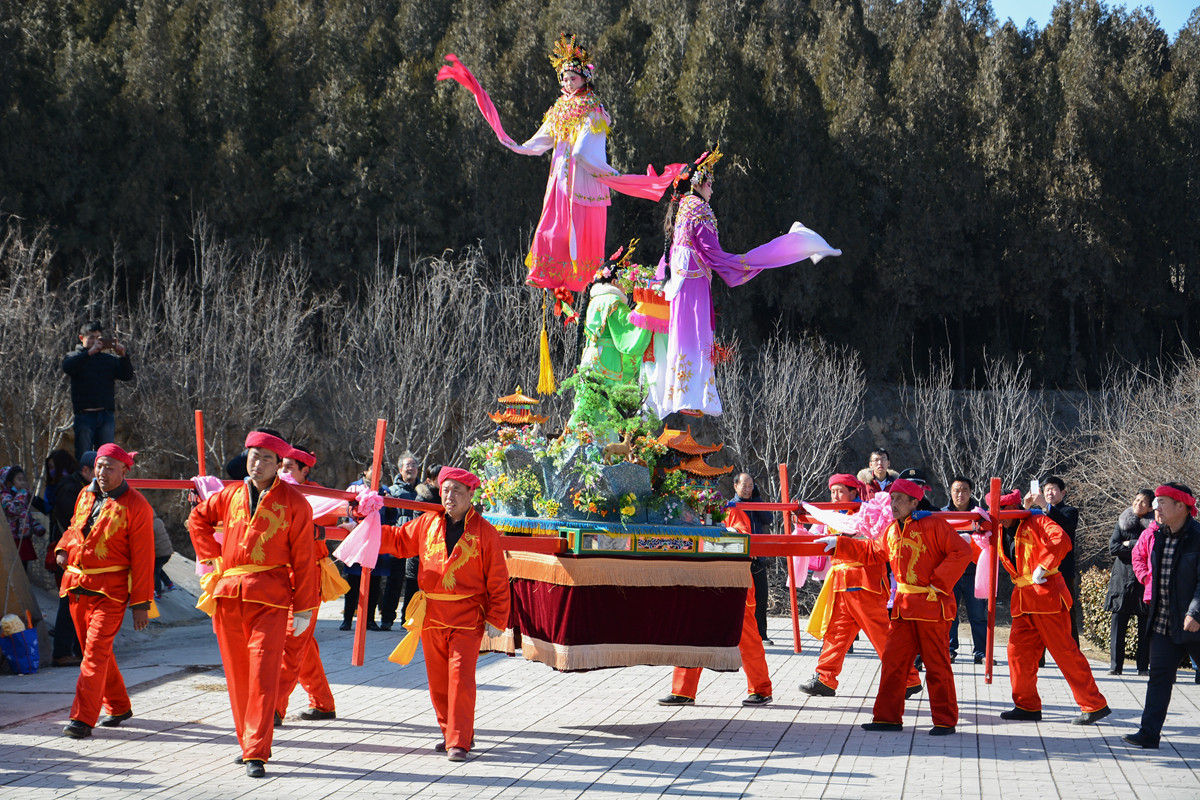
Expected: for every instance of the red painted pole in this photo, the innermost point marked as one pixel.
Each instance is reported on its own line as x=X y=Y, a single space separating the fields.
x=200 y=442
x=994 y=524
x=791 y=569
x=364 y=582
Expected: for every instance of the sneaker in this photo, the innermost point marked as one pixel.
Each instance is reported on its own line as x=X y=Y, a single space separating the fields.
x=814 y=687
x=1021 y=715
x=317 y=713
x=768 y=643
x=1140 y=739
x=77 y=730
x=757 y=700
x=677 y=700
x=942 y=730
x=882 y=727
x=912 y=691
x=113 y=720
x=1090 y=717
x=255 y=769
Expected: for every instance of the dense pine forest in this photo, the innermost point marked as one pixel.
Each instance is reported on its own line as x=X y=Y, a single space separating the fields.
x=996 y=190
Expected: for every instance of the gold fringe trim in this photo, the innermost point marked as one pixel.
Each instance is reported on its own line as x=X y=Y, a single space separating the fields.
x=599 y=656
x=599 y=571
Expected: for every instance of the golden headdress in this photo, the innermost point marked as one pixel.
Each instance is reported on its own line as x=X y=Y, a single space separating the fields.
x=570 y=56
x=705 y=165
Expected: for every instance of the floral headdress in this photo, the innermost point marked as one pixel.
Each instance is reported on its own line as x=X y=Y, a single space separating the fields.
x=570 y=57
x=618 y=261
x=697 y=172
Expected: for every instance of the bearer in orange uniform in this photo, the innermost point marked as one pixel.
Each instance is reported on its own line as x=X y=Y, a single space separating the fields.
x=255 y=580
x=927 y=557
x=854 y=598
x=463 y=586
x=301 y=654
x=1041 y=616
x=754 y=658
x=108 y=555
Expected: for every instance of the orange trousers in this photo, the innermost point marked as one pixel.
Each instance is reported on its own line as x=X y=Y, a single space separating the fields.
x=450 y=657
x=302 y=662
x=251 y=638
x=754 y=660
x=906 y=638
x=853 y=612
x=1029 y=635
x=97 y=620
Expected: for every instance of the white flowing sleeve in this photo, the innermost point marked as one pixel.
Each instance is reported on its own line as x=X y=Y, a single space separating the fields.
x=589 y=151
x=541 y=141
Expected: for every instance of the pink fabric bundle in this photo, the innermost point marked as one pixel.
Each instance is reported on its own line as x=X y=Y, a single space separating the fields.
x=983 y=571
x=361 y=545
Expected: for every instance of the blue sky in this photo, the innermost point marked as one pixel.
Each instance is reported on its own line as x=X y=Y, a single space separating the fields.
x=1172 y=14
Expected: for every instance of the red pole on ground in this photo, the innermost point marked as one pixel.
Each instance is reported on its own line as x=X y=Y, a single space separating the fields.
x=994 y=524
x=791 y=569
x=200 y=442
x=364 y=582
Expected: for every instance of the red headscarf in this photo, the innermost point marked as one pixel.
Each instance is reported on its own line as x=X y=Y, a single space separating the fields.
x=296 y=454
x=1013 y=498
x=265 y=440
x=914 y=490
x=467 y=479
x=114 y=451
x=849 y=481
x=1176 y=494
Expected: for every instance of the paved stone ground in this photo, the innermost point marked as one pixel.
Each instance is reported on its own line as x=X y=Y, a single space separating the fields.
x=544 y=734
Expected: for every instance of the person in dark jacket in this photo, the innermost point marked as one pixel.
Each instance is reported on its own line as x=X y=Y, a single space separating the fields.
x=1124 y=600
x=1174 y=604
x=94 y=372
x=964 y=591
x=744 y=490
x=401 y=582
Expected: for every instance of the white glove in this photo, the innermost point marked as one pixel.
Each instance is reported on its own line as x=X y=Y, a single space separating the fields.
x=828 y=542
x=300 y=622
x=1039 y=575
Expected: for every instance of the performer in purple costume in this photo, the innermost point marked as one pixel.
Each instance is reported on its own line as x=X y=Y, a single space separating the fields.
x=684 y=379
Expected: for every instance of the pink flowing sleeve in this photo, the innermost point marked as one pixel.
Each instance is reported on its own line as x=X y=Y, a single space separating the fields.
x=650 y=186
x=796 y=245
x=457 y=72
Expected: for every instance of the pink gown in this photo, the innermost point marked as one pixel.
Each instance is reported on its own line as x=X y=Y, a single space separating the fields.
x=684 y=379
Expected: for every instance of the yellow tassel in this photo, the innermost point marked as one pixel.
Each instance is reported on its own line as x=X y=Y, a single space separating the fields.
x=545 y=384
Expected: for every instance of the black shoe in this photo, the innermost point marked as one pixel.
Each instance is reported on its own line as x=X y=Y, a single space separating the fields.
x=77 y=730
x=978 y=659
x=677 y=700
x=385 y=626
x=1140 y=739
x=757 y=700
x=346 y=625
x=255 y=769
x=942 y=730
x=1143 y=672
x=953 y=657
x=814 y=687
x=238 y=760
x=911 y=691
x=1022 y=715
x=919 y=663
x=113 y=720
x=1089 y=717
x=278 y=720
x=372 y=625
x=1115 y=671
x=881 y=727
x=317 y=713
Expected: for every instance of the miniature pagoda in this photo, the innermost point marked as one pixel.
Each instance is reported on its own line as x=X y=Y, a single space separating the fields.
x=691 y=456
x=518 y=411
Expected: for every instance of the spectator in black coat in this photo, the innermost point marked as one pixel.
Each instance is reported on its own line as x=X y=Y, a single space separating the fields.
x=94 y=371
x=1124 y=599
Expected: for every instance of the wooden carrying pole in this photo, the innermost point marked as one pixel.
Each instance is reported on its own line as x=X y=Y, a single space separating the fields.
x=364 y=582
x=791 y=569
x=994 y=525
x=200 y=442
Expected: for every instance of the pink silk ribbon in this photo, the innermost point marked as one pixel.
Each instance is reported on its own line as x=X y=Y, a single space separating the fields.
x=361 y=545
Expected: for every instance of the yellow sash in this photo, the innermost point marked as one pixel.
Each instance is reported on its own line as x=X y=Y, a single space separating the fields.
x=908 y=588
x=1028 y=581
x=208 y=583
x=818 y=621
x=407 y=648
x=115 y=568
x=333 y=585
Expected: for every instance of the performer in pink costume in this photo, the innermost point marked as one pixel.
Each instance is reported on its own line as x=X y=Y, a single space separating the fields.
x=568 y=245
x=684 y=379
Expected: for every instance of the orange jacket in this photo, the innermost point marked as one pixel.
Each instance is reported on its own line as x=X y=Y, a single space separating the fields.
x=927 y=557
x=279 y=534
x=1038 y=542
x=123 y=536
x=475 y=569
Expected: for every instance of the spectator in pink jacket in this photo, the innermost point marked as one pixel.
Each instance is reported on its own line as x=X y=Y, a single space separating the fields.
x=1141 y=559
